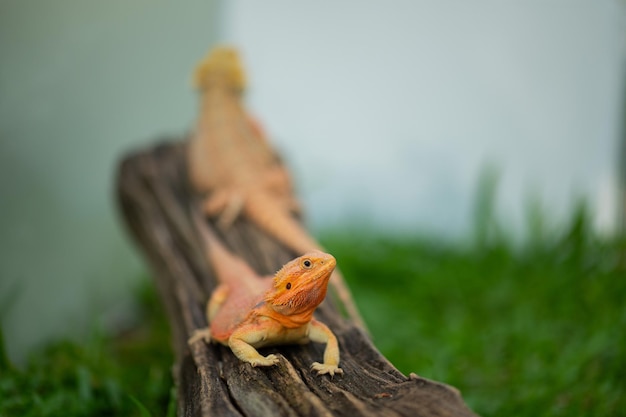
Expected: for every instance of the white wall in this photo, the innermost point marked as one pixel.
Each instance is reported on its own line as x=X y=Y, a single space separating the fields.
x=80 y=84
x=389 y=110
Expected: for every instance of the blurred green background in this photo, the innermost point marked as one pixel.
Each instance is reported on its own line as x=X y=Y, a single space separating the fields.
x=525 y=318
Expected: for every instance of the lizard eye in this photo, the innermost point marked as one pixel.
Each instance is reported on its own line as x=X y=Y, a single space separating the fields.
x=307 y=263
x=289 y=285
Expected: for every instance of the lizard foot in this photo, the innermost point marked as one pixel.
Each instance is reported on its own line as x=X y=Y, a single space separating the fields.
x=323 y=368
x=200 y=334
x=269 y=360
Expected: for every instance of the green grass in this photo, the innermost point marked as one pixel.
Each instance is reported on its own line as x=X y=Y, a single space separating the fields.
x=128 y=375
x=523 y=331
x=539 y=330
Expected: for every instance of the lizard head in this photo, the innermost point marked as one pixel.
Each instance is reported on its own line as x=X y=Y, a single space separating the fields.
x=300 y=285
x=221 y=66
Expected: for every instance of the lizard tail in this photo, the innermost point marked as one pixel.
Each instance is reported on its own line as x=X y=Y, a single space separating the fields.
x=227 y=267
x=221 y=66
x=272 y=217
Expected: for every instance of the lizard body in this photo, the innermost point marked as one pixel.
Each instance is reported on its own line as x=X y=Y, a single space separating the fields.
x=232 y=165
x=247 y=311
x=229 y=158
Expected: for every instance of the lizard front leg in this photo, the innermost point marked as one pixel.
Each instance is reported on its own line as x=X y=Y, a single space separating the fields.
x=227 y=203
x=319 y=332
x=242 y=342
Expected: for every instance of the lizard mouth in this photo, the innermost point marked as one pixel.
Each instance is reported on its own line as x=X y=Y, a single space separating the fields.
x=311 y=293
x=325 y=273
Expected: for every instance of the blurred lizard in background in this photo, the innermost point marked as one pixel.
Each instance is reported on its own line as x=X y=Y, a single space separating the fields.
x=247 y=311
x=233 y=167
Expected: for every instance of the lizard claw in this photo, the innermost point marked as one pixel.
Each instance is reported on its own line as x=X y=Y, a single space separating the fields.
x=323 y=368
x=269 y=360
x=200 y=334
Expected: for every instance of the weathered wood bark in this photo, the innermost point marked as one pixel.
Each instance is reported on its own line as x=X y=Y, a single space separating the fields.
x=154 y=200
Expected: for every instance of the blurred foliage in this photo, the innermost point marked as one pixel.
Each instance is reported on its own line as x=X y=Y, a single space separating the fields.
x=128 y=375
x=530 y=330
x=534 y=329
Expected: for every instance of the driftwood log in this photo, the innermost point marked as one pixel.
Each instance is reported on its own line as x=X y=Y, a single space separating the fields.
x=154 y=199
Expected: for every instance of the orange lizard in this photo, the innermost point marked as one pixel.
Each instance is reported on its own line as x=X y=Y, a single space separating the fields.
x=229 y=158
x=247 y=311
x=232 y=165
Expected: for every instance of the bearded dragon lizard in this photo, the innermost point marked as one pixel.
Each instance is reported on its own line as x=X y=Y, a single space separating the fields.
x=232 y=165
x=247 y=311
